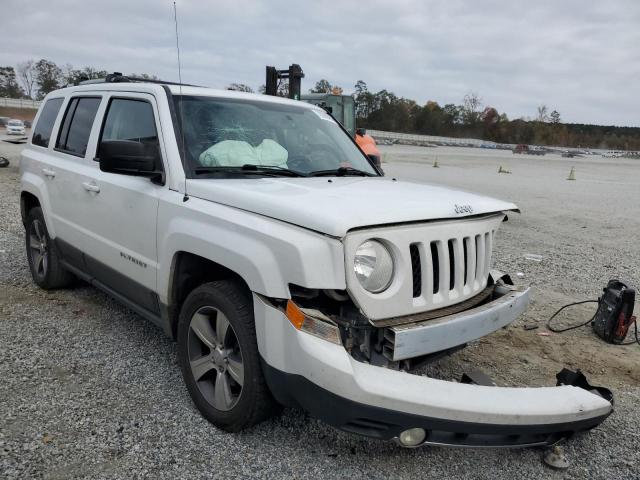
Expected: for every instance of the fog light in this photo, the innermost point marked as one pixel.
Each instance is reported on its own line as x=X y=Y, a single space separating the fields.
x=412 y=437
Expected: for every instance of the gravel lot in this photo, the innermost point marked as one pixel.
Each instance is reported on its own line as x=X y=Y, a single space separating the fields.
x=90 y=389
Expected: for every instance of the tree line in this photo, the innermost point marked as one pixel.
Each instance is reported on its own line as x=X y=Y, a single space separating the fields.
x=34 y=79
x=381 y=110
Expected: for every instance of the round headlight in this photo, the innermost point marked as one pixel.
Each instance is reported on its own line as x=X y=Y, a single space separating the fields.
x=373 y=266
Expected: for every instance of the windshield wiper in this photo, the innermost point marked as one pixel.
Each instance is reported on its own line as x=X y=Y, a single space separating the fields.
x=250 y=169
x=341 y=172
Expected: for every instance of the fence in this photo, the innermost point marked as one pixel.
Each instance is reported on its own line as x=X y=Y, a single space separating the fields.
x=20 y=103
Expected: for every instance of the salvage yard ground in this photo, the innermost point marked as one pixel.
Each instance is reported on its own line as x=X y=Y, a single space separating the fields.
x=91 y=389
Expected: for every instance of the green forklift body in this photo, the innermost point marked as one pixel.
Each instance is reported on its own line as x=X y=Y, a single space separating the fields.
x=342 y=107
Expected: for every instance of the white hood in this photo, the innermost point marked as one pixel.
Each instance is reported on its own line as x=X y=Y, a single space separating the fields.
x=336 y=205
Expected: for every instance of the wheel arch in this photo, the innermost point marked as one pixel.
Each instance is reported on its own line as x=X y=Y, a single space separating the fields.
x=34 y=189
x=27 y=201
x=189 y=271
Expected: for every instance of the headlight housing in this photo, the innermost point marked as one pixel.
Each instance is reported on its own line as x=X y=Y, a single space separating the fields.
x=373 y=266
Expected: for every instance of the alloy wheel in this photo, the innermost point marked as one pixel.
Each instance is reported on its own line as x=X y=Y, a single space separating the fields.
x=215 y=358
x=38 y=248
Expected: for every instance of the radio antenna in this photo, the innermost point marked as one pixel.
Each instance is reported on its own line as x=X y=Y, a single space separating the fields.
x=175 y=19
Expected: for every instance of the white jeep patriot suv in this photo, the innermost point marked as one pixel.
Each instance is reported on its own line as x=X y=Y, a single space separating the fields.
x=289 y=270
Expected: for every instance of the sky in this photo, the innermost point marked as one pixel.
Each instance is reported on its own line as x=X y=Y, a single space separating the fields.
x=577 y=57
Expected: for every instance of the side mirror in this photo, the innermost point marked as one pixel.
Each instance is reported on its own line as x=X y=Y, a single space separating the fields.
x=128 y=157
x=361 y=131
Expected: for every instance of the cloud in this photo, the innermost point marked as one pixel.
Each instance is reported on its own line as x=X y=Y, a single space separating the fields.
x=577 y=57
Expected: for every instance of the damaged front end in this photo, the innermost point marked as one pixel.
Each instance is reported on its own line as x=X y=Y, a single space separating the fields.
x=410 y=341
x=320 y=353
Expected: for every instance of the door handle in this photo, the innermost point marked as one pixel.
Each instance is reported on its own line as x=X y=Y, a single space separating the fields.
x=91 y=187
x=48 y=173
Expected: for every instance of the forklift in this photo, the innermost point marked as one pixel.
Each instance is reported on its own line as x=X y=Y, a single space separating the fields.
x=341 y=107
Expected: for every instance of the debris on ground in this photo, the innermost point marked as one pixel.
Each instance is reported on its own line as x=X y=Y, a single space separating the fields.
x=17 y=141
x=556 y=458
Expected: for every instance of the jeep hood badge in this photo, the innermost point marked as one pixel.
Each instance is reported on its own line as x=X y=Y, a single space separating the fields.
x=460 y=209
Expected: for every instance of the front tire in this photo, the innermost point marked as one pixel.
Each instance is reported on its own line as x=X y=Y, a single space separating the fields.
x=44 y=260
x=219 y=357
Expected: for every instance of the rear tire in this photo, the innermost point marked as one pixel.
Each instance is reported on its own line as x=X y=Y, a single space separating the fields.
x=43 y=256
x=219 y=357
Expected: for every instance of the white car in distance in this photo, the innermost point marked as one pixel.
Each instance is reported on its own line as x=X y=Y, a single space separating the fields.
x=15 y=127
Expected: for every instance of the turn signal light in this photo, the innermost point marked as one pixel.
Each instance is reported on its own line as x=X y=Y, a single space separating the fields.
x=313 y=322
x=295 y=315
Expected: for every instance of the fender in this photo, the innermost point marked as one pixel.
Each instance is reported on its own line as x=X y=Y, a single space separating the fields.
x=266 y=253
x=36 y=186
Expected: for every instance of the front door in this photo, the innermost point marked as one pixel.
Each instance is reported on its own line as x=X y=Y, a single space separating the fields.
x=122 y=209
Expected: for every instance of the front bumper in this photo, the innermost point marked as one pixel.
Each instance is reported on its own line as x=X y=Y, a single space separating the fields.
x=321 y=377
x=15 y=132
x=429 y=336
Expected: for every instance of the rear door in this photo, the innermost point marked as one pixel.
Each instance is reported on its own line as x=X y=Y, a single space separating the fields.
x=68 y=162
x=121 y=210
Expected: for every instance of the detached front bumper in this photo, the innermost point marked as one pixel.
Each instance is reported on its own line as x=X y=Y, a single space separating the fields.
x=322 y=378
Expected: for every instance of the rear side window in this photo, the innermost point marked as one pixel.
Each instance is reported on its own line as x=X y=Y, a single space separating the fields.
x=77 y=124
x=129 y=119
x=42 y=130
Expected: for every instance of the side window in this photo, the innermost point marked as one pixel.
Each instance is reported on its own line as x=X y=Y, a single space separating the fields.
x=129 y=119
x=42 y=130
x=76 y=126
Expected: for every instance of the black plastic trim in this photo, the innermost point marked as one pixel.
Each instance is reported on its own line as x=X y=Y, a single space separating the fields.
x=130 y=293
x=177 y=126
x=375 y=422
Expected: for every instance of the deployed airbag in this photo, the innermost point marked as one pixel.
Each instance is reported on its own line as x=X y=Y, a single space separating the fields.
x=235 y=153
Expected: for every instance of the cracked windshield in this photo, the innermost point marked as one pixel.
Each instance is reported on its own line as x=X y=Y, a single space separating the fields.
x=221 y=135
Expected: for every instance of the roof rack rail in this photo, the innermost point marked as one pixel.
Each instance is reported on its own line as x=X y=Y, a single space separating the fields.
x=118 y=77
